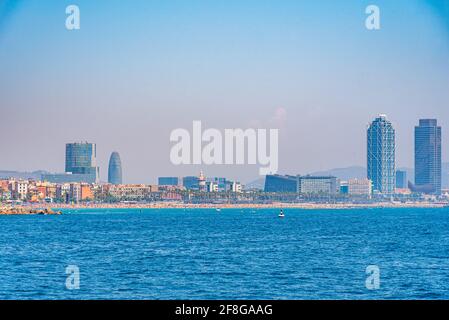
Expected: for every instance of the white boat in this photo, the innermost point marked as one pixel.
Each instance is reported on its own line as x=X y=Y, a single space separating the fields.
x=281 y=214
x=218 y=209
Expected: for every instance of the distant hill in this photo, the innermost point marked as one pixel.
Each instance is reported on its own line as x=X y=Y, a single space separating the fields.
x=36 y=175
x=355 y=172
x=444 y=175
x=256 y=184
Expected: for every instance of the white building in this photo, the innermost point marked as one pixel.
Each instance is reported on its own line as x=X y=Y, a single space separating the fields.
x=236 y=187
x=21 y=188
x=360 y=187
x=211 y=186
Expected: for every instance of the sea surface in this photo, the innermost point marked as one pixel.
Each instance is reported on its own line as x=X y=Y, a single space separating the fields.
x=232 y=254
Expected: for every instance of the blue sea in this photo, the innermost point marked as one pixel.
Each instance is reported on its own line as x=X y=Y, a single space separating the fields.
x=232 y=254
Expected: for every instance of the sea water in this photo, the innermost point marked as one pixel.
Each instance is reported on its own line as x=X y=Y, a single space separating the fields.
x=231 y=254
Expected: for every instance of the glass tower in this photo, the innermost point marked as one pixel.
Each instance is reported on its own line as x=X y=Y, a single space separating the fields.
x=381 y=155
x=81 y=159
x=115 y=169
x=428 y=156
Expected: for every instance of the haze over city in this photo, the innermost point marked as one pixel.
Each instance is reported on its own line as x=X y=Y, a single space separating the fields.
x=132 y=74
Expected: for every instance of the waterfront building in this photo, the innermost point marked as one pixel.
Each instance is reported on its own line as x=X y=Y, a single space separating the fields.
x=191 y=183
x=280 y=183
x=131 y=192
x=115 y=169
x=75 y=192
x=301 y=184
x=20 y=190
x=317 y=185
x=381 y=155
x=86 y=192
x=236 y=187
x=360 y=187
x=202 y=182
x=401 y=179
x=428 y=156
x=4 y=185
x=344 y=187
x=168 y=181
x=223 y=185
x=63 y=192
x=211 y=186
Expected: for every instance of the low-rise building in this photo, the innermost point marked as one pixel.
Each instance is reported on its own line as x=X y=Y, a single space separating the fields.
x=134 y=192
x=360 y=187
x=317 y=185
x=86 y=192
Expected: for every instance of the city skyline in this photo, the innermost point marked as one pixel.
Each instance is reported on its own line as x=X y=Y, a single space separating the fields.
x=89 y=158
x=245 y=64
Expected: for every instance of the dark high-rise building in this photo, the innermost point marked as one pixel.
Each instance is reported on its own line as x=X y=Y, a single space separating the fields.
x=428 y=156
x=80 y=164
x=115 y=169
x=381 y=155
x=301 y=184
x=401 y=179
x=279 y=183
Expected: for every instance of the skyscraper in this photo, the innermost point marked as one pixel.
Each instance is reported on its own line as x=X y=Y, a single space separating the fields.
x=381 y=155
x=81 y=160
x=428 y=156
x=115 y=169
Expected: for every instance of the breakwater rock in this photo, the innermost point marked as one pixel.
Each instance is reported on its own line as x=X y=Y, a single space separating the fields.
x=23 y=210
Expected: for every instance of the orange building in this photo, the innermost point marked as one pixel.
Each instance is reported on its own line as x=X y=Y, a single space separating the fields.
x=4 y=185
x=86 y=192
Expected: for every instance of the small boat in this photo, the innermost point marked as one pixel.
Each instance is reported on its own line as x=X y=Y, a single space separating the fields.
x=218 y=209
x=281 y=214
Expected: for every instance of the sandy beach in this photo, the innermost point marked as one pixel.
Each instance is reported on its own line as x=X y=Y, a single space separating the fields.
x=178 y=205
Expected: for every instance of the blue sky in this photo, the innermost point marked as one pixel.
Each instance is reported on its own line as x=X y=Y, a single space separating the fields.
x=137 y=70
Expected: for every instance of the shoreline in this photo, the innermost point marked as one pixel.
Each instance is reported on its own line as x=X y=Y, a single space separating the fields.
x=35 y=209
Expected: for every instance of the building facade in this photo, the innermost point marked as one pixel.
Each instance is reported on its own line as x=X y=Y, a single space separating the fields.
x=360 y=187
x=381 y=153
x=280 y=183
x=191 y=183
x=428 y=156
x=317 y=185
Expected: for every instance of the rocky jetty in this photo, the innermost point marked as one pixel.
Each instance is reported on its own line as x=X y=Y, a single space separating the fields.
x=23 y=210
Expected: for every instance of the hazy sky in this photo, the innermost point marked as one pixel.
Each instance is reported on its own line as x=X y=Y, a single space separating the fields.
x=136 y=70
